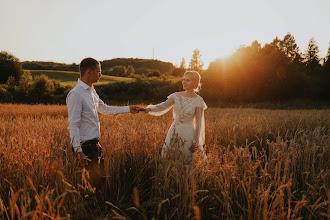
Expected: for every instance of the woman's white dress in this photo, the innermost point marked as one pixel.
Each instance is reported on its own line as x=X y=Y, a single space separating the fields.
x=188 y=127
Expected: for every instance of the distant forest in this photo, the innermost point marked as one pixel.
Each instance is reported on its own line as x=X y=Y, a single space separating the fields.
x=274 y=73
x=109 y=67
x=278 y=71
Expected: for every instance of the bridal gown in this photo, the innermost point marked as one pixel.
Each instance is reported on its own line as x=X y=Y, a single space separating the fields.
x=188 y=127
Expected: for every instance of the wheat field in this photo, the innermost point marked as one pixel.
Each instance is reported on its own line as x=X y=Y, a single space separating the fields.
x=262 y=164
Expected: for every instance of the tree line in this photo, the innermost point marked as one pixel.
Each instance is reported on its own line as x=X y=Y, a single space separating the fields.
x=139 y=65
x=125 y=67
x=275 y=72
x=278 y=71
x=41 y=65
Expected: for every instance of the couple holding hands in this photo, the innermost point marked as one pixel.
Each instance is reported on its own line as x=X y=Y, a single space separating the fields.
x=84 y=104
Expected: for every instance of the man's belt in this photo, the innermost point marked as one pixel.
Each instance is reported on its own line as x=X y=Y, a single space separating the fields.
x=90 y=141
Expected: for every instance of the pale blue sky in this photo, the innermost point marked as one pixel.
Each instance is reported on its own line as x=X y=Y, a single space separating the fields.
x=69 y=30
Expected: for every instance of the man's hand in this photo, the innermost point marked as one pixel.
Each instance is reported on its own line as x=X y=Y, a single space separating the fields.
x=193 y=148
x=136 y=109
x=82 y=159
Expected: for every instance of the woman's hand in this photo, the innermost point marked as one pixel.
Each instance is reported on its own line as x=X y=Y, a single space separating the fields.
x=145 y=110
x=193 y=148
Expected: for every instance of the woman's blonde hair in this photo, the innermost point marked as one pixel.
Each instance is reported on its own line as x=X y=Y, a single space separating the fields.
x=197 y=78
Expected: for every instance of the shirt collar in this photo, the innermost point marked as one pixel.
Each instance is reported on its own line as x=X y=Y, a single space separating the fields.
x=82 y=84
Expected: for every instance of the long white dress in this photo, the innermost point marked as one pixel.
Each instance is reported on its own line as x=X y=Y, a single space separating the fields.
x=188 y=127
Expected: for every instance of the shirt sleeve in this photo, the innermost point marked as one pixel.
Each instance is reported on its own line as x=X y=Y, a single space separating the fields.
x=111 y=110
x=74 y=104
x=161 y=108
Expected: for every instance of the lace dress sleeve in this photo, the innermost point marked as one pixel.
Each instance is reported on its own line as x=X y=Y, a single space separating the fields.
x=200 y=124
x=163 y=107
x=200 y=128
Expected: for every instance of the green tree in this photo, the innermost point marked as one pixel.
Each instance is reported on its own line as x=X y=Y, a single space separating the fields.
x=5 y=96
x=276 y=43
x=183 y=64
x=118 y=71
x=196 y=62
x=290 y=48
x=42 y=89
x=327 y=60
x=311 y=57
x=130 y=70
x=325 y=78
x=179 y=71
x=9 y=66
x=155 y=73
x=23 y=88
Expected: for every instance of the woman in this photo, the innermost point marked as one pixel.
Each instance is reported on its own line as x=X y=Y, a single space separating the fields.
x=187 y=132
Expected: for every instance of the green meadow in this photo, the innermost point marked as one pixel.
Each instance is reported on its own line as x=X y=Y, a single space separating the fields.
x=70 y=78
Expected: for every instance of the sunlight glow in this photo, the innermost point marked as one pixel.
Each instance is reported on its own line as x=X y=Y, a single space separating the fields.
x=67 y=31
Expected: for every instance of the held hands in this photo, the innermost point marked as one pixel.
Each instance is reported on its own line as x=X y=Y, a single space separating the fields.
x=145 y=110
x=136 y=109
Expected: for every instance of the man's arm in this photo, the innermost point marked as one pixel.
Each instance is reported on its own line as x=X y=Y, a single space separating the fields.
x=113 y=110
x=74 y=103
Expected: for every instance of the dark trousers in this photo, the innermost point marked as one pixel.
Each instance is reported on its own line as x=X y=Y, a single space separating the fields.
x=93 y=150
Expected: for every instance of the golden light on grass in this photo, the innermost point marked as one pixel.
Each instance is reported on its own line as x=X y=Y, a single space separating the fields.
x=262 y=164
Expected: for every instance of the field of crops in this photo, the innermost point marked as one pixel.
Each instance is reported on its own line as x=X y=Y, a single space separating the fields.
x=262 y=164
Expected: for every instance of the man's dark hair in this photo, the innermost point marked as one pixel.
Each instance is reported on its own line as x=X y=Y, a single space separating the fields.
x=88 y=63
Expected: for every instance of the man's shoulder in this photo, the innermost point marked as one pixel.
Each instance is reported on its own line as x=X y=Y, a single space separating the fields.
x=74 y=92
x=76 y=88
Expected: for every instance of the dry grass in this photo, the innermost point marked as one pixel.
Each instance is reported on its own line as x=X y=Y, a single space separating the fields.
x=262 y=164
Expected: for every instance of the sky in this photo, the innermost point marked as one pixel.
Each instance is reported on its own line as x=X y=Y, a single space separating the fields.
x=69 y=30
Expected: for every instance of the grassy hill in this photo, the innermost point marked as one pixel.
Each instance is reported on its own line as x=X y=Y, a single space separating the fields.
x=70 y=77
x=136 y=63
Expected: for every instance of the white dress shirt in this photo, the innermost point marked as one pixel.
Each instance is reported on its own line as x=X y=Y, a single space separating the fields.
x=83 y=106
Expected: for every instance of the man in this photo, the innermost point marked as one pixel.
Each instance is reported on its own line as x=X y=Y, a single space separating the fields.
x=83 y=106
